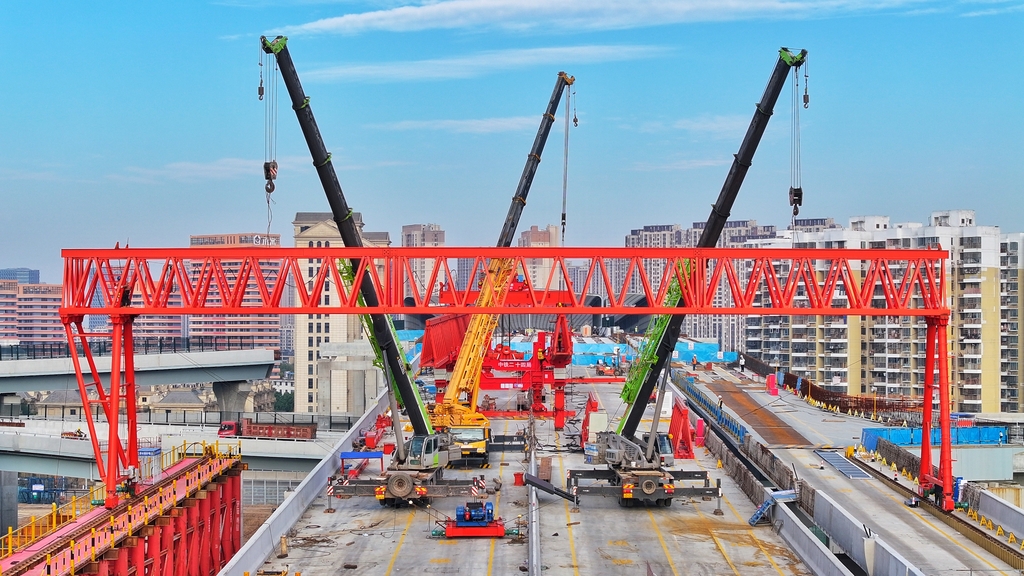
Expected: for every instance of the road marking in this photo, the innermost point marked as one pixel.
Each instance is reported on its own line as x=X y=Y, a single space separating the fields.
x=394 y=556
x=568 y=518
x=722 y=550
x=664 y=546
x=750 y=531
x=933 y=526
x=497 y=500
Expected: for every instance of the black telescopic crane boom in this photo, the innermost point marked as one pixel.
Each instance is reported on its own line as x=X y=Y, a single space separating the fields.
x=719 y=214
x=346 y=226
x=508 y=230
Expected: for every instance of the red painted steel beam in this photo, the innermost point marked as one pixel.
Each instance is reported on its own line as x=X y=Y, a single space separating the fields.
x=254 y=279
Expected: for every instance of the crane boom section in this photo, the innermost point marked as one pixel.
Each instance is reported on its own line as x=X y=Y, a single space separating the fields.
x=713 y=229
x=382 y=331
x=460 y=399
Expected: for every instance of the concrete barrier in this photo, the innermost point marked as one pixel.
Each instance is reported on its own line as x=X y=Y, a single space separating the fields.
x=871 y=553
x=262 y=544
x=1001 y=513
x=807 y=546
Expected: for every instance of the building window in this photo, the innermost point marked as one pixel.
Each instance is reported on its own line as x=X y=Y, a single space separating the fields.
x=310 y=271
x=327 y=339
x=327 y=326
x=310 y=356
x=317 y=327
x=310 y=341
x=310 y=330
x=309 y=368
x=318 y=244
x=309 y=383
x=327 y=244
x=74 y=411
x=327 y=299
x=317 y=340
x=309 y=398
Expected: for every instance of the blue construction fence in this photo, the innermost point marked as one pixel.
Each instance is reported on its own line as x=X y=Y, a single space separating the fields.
x=976 y=435
x=710 y=407
x=704 y=351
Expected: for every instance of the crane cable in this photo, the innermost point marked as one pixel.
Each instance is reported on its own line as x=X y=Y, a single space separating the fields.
x=796 y=192
x=269 y=130
x=569 y=95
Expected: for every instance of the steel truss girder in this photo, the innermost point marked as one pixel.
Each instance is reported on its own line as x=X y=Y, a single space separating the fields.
x=253 y=280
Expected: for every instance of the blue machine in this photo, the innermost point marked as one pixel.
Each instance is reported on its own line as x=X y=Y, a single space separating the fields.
x=474 y=514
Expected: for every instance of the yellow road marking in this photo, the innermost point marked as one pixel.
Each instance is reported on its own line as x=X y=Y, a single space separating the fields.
x=497 y=500
x=400 y=540
x=664 y=546
x=568 y=518
x=722 y=550
x=751 y=532
x=933 y=526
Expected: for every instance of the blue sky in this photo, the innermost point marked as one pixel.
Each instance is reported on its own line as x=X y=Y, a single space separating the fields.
x=139 y=121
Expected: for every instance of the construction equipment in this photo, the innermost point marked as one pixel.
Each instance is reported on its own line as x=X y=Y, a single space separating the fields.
x=459 y=408
x=416 y=469
x=474 y=520
x=661 y=340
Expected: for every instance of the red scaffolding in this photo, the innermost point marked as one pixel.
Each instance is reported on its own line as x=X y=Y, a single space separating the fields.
x=128 y=282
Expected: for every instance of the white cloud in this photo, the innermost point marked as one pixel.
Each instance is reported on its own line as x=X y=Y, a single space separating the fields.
x=676 y=165
x=480 y=63
x=578 y=14
x=476 y=126
x=995 y=11
x=706 y=126
x=223 y=169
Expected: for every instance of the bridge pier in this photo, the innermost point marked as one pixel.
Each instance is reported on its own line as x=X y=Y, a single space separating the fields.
x=231 y=396
x=8 y=501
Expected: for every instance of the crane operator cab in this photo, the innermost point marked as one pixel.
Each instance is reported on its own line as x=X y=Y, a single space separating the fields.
x=428 y=451
x=663 y=451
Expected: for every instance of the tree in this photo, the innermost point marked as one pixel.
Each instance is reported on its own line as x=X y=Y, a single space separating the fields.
x=284 y=402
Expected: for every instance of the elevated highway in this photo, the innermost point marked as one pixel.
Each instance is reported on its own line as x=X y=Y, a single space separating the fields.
x=151 y=369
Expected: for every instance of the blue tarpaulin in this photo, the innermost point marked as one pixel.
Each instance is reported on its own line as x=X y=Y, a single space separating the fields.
x=978 y=435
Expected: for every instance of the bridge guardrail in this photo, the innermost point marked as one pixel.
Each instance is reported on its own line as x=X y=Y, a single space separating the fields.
x=142 y=345
x=724 y=419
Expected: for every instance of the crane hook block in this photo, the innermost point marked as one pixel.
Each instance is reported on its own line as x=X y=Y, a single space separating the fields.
x=269 y=187
x=807 y=100
x=796 y=196
x=270 y=170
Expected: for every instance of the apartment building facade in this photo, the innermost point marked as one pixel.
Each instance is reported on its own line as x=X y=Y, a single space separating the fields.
x=264 y=330
x=414 y=235
x=315 y=230
x=885 y=355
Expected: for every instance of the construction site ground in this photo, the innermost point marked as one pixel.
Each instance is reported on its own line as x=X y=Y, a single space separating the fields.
x=925 y=541
x=361 y=537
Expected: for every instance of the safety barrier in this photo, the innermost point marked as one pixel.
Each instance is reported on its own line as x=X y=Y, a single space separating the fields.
x=871 y=553
x=780 y=472
x=261 y=544
x=724 y=419
x=977 y=435
x=122 y=522
x=901 y=458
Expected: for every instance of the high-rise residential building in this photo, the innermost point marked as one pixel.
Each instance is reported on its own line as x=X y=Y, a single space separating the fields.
x=886 y=355
x=38 y=313
x=539 y=269
x=263 y=329
x=735 y=233
x=8 y=312
x=21 y=275
x=318 y=230
x=422 y=235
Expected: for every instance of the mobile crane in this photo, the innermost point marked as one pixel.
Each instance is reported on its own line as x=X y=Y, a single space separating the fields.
x=636 y=463
x=458 y=411
x=417 y=467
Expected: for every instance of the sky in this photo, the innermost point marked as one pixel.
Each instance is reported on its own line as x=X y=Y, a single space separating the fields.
x=139 y=122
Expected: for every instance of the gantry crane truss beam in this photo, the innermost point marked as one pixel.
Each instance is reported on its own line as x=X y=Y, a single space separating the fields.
x=810 y=282
x=756 y=281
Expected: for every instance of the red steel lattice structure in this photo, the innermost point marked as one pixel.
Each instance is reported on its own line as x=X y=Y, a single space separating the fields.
x=857 y=282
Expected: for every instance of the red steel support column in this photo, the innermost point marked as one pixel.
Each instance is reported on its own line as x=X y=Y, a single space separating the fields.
x=121 y=564
x=945 y=455
x=153 y=547
x=925 y=474
x=131 y=415
x=192 y=530
x=166 y=551
x=235 y=503
x=216 y=531
x=112 y=474
x=103 y=567
x=204 y=533
x=179 y=560
x=137 y=555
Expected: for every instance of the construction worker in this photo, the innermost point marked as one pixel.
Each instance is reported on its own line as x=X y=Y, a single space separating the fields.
x=742 y=362
x=694 y=362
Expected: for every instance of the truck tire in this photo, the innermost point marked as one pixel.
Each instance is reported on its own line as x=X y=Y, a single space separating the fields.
x=648 y=486
x=400 y=485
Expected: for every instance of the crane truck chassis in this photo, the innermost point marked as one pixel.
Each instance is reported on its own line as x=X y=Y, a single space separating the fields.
x=634 y=479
